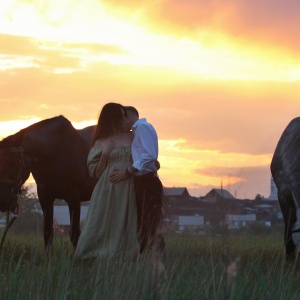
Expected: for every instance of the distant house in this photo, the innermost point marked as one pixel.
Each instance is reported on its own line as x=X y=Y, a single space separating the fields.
x=263 y=207
x=239 y=221
x=265 y=213
x=218 y=194
x=176 y=192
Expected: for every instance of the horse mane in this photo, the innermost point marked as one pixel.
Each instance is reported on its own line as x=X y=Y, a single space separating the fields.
x=50 y=123
x=287 y=148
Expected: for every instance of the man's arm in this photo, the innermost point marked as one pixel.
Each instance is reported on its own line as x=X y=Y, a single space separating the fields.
x=121 y=174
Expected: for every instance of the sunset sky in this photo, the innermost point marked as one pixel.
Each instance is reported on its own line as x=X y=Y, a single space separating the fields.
x=219 y=79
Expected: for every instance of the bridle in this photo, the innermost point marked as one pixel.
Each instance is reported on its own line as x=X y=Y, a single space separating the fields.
x=16 y=182
x=15 y=191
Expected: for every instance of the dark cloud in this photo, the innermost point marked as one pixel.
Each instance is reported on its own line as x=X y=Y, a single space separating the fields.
x=269 y=23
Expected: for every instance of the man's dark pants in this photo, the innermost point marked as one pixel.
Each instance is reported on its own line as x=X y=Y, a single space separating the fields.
x=148 y=193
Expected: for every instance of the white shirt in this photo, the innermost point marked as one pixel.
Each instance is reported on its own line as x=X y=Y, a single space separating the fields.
x=144 y=147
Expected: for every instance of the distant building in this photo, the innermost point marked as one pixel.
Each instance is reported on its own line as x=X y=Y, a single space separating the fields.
x=273 y=190
x=187 y=222
x=218 y=194
x=239 y=221
x=176 y=192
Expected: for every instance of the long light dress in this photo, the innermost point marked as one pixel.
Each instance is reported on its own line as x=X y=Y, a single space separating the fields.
x=110 y=227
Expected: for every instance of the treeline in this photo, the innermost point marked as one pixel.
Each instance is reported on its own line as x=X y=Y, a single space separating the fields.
x=29 y=219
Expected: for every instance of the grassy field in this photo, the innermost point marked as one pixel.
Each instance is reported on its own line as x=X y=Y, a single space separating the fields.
x=227 y=267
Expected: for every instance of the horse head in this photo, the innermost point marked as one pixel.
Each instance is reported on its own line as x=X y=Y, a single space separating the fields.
x=14 y=171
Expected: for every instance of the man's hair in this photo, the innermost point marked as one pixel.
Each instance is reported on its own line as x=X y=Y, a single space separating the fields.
x=132 y=110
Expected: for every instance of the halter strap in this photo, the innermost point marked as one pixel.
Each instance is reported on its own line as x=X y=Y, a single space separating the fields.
x=17 y=182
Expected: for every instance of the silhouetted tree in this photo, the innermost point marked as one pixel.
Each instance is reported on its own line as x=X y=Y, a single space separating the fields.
x=258 y=197
x=30 y=219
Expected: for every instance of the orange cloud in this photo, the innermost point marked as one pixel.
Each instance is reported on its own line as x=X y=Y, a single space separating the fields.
x=261 y=25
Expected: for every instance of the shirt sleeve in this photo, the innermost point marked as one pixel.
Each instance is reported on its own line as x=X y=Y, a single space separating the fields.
x=93 y=159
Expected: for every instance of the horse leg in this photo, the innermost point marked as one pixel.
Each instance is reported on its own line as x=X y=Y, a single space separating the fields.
x=47 y=207
x=74 y=233
x=289 y=216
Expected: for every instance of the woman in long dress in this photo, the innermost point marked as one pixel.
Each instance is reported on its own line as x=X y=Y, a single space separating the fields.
x=111 y=222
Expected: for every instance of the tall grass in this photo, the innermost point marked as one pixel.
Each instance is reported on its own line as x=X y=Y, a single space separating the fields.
x=195 y=268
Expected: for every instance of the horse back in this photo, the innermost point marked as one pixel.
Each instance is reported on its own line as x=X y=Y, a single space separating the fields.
x=285 y=164
x=58 y=159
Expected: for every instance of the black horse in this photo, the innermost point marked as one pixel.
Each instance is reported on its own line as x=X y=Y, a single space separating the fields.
x=56 y=155
x=285 y=169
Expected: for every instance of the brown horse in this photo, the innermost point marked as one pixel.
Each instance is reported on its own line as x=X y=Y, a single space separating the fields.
x=56 y=154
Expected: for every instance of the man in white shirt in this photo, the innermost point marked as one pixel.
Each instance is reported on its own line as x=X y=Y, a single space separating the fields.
x=147 y=185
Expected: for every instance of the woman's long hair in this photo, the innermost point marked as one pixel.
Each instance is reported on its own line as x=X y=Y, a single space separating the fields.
x=109 y=121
